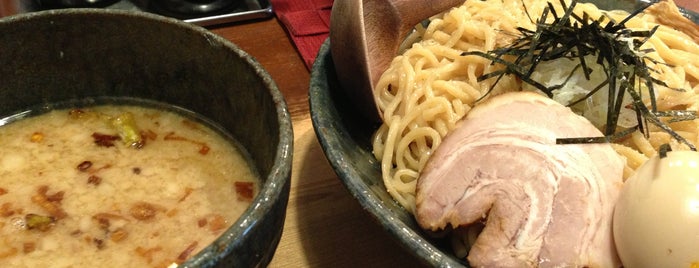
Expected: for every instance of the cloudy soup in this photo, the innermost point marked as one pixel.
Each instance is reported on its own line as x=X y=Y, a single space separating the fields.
x=122 y=185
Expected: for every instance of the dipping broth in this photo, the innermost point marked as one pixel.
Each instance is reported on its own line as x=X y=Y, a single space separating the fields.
x=74 y=193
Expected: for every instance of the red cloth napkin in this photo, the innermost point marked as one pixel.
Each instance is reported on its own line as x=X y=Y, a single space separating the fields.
x=308 y=24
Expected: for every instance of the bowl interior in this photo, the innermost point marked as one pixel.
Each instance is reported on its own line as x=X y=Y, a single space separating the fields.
x=345 y=137
x=56 y=56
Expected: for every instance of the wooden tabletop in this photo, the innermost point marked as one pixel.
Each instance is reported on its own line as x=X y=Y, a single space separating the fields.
x=325 y=226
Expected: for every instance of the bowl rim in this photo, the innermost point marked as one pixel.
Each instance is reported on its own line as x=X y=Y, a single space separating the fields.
x=276 y=184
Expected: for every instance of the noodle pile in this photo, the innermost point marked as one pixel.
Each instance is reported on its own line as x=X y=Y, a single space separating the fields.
x=430 y=86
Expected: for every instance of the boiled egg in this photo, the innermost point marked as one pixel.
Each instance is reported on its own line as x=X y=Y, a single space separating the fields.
x=656 y=219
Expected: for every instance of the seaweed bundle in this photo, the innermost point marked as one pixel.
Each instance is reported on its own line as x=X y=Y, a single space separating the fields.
x=616 y=48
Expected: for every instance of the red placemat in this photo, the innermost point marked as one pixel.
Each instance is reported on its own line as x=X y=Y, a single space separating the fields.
x=308 y=24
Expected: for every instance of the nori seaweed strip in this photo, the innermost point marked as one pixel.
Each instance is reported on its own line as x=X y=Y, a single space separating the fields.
x=578 y=140
x=603 y=139
x=663 y=150
x=677 y=115
x=586 y=71
x=622 y=24
x=652 y=118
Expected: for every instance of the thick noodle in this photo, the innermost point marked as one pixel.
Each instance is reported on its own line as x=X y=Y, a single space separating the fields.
x=429 y=87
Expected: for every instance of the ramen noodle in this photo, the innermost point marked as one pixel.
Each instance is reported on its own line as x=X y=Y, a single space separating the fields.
x=73 y=193
x=429 y=87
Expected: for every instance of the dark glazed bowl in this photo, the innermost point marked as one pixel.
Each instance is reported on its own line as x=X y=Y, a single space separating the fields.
x=55 y=56
x=345 y=137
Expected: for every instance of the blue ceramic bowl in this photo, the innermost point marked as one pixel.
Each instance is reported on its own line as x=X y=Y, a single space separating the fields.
x=55 y=56
x=345 y=137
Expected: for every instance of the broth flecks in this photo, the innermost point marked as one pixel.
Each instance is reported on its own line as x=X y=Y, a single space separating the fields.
x=120 y=184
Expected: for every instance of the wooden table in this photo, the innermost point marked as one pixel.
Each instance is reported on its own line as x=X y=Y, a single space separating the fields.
x=325 y=226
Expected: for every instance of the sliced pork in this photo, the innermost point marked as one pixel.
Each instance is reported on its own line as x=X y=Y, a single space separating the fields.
x=544 y=205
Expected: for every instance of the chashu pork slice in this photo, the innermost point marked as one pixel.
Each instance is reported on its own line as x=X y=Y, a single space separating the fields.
x=544 y=205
